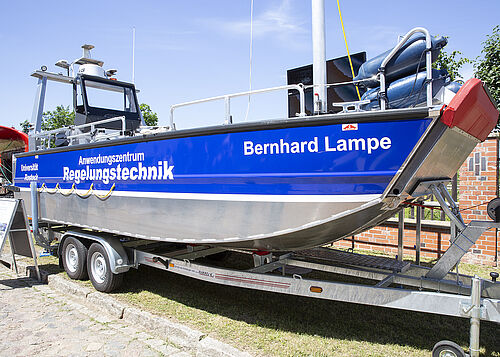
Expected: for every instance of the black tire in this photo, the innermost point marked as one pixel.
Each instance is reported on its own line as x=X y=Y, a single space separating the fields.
x=99 y=270
x=447 y=349
x=74 y=258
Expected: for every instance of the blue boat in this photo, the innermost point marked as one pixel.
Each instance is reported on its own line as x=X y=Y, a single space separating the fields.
x=280 y=185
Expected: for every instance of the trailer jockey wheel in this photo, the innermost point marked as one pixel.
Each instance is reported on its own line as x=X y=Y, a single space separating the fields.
x=74 y=258
x=447 y=349
x=493 y=209
x=100 y=273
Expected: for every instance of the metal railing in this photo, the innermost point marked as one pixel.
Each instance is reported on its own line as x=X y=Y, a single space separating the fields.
x=227 y=101
x=345 y=105
x=76 y=133
x=428 y=65
x=300 y=87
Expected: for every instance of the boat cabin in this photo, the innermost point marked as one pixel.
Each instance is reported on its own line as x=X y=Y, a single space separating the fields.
x=104 y=107
x=99 y=98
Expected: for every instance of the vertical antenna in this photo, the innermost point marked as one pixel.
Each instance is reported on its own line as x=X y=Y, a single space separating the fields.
x=250 y=62
x=133 y=54
x=319 y=61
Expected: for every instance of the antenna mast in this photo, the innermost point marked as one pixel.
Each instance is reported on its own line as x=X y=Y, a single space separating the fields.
x=319 y=56
x=133 y=54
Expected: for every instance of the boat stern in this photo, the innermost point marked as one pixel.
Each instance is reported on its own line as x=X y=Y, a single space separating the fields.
x=466 y=121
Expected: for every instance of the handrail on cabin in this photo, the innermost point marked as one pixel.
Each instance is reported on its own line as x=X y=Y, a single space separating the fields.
x=48 y=134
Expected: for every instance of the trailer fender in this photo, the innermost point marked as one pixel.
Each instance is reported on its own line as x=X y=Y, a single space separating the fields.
x=118 y=259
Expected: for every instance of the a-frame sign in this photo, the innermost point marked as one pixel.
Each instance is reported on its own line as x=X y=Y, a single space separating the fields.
x=14 y=225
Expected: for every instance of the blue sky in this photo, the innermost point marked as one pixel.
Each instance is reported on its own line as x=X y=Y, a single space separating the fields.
x=192 y=49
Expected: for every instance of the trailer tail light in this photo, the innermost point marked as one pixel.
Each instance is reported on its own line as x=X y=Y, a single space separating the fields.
x=316 y=289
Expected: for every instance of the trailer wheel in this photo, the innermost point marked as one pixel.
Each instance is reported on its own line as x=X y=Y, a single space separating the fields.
x=74 y=258
x=100 y=274
x=447 y=349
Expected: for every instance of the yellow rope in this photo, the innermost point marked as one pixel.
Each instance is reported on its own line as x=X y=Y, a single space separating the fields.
x=45 y=188
x=53 y=191
x=86 y=194
x=347 y=48
x=67 y=193
x=73 y=188
x=103 y=197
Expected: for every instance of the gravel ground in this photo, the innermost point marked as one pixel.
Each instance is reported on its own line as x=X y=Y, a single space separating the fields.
x=37 y=320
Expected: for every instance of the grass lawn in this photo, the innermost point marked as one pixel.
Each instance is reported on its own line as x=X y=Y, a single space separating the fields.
x=270 y=324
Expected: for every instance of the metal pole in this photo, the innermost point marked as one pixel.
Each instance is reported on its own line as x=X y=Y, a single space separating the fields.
x=172 y=124
x=475 y=316
x=302 y=99
x=383 y=103
x=32 y=245
x=428 y=66
x=319 y=54
x=36 y=117
x=454 y=188
x=13 y=254
x=418 y=231
x=227 y=102
x=401 y=227
x=457 y=219
x=34 y=209
x=133 y=54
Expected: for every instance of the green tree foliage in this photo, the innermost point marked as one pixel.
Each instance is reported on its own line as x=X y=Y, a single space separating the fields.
x=452 y=62
x=25 y=126
x=487 y=68
x=55 y=119
x=58 y=118
x=150 y=117
x=63 y=116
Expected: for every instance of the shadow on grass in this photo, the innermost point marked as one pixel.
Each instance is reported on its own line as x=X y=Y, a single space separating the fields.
x=309 y=316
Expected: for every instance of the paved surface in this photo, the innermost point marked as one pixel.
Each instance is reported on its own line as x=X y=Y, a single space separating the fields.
x=38 y=321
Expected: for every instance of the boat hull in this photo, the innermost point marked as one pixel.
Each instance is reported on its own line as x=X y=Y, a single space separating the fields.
x=223 y=188
x=257 y=222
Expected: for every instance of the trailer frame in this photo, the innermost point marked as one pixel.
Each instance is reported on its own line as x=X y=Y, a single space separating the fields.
x=455 y=295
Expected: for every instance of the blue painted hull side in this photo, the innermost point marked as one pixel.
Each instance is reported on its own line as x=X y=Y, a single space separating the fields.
x=331 y=159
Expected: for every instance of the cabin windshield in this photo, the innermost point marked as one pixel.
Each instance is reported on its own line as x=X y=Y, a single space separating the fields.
x=110 y=96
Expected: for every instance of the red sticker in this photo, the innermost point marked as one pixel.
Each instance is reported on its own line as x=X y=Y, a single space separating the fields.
x=346 y=127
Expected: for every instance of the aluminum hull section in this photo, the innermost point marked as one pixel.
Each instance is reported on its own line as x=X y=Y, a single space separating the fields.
x=439 y=157
x=198 y=221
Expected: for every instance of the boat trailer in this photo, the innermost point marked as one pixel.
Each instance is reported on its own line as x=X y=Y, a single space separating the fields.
x=398 y=284
x=391 y=283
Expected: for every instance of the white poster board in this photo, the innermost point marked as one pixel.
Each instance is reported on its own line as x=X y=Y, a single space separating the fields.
x=14 y=225
x=7 y=209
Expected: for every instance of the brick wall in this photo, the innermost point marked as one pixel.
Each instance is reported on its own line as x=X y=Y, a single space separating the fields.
x=477 y=186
